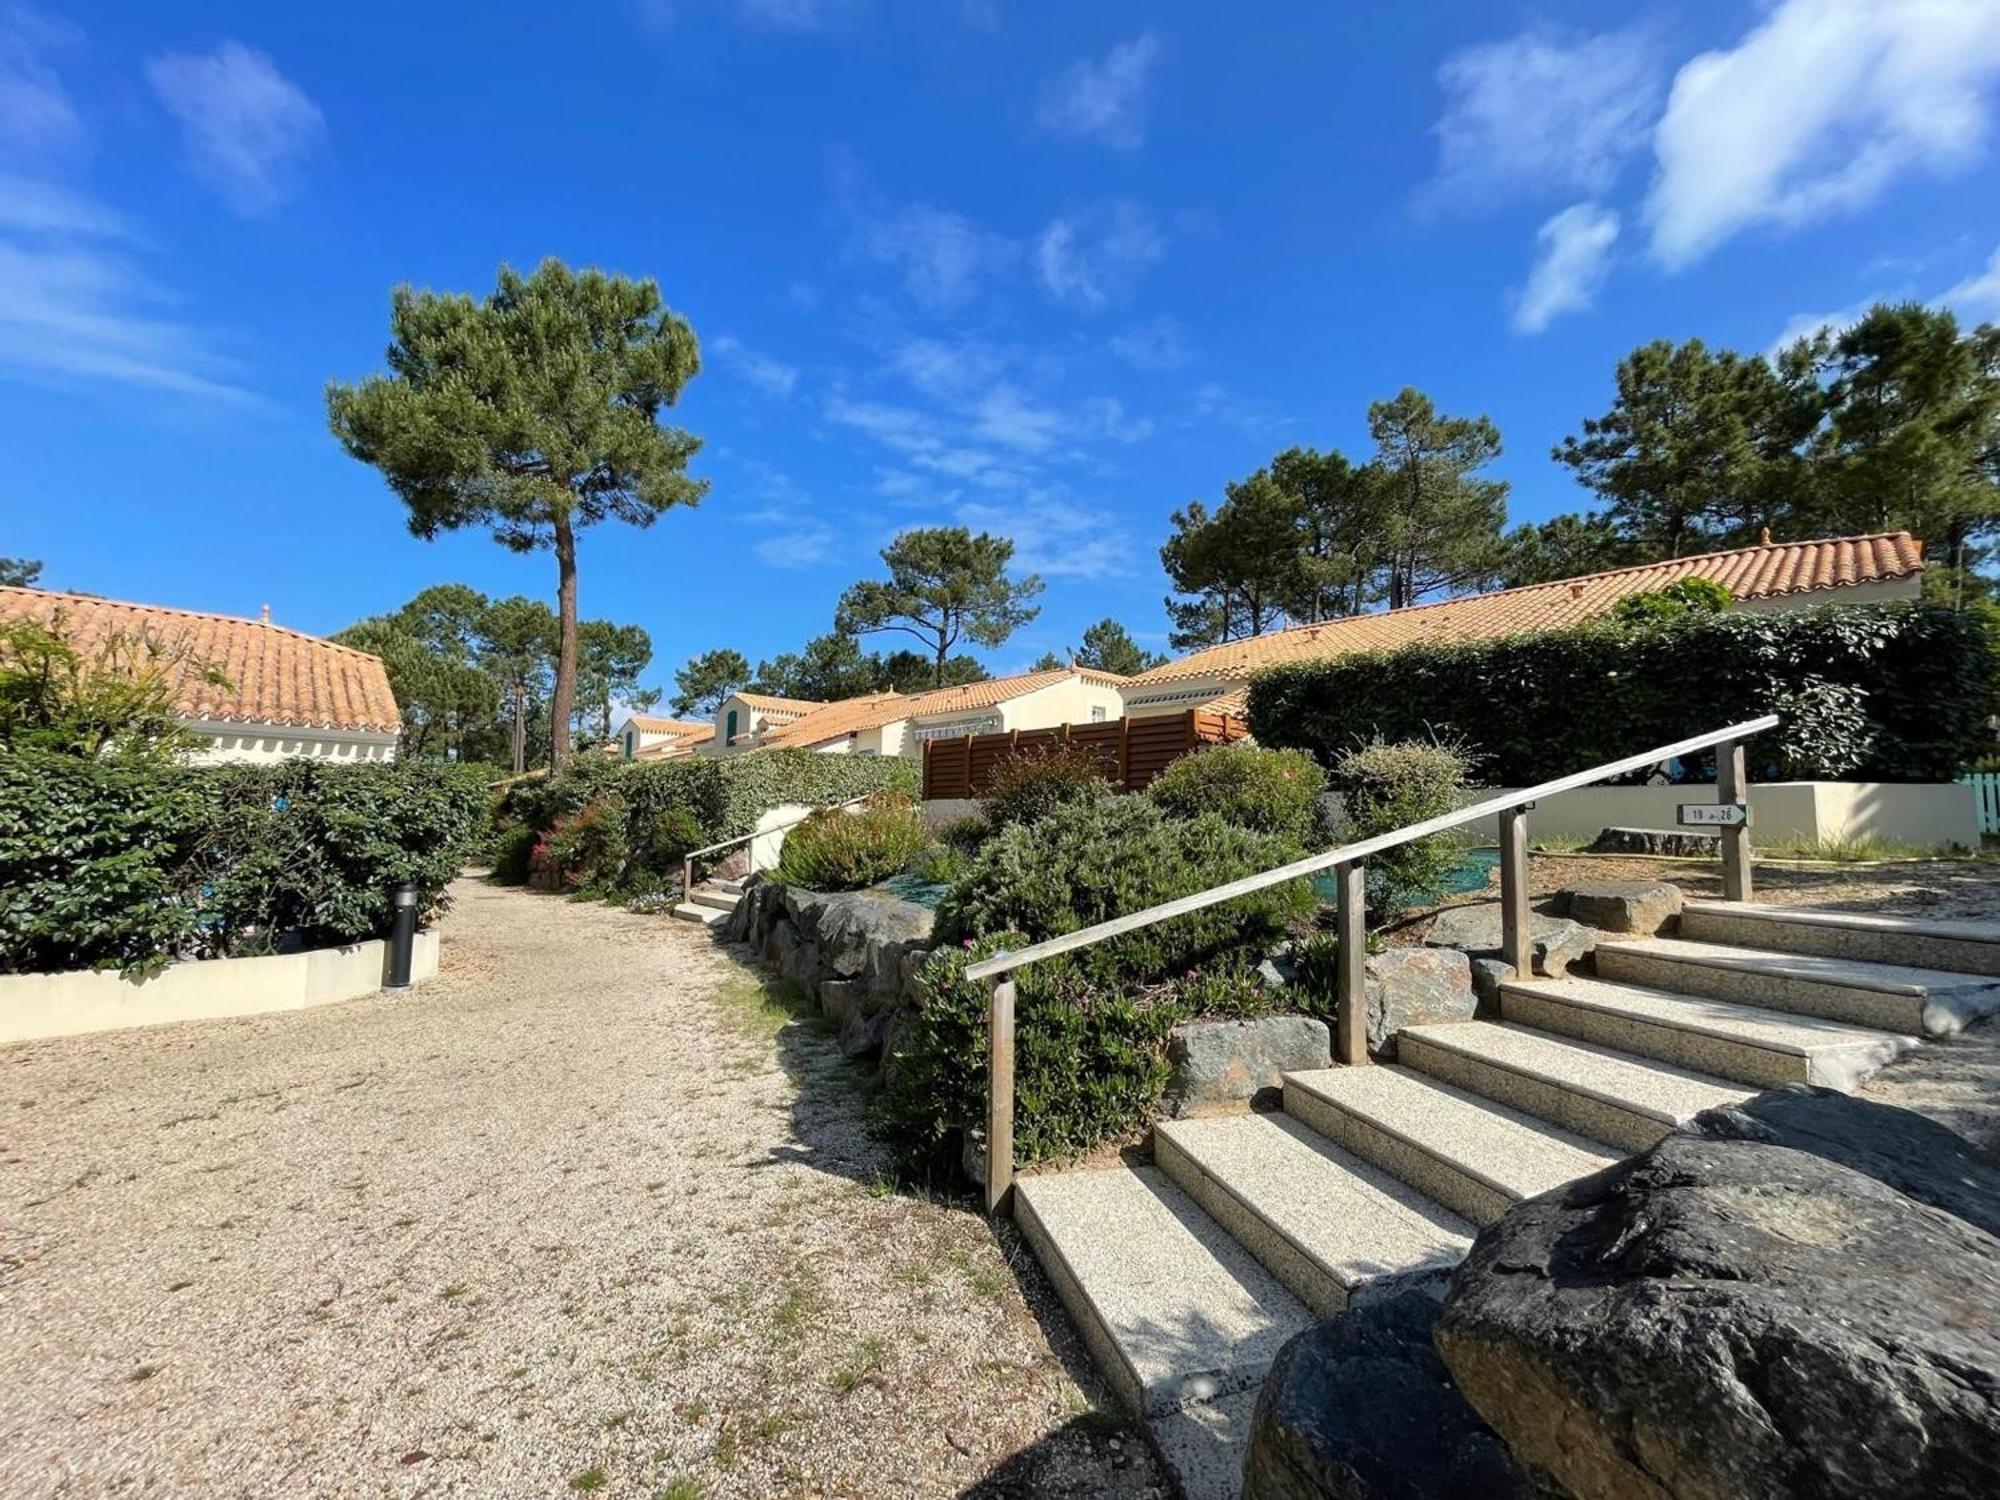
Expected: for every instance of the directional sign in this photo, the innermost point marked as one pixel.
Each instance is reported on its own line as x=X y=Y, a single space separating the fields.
x=1714 y=814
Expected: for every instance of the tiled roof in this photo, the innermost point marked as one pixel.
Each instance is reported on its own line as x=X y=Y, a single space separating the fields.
x=1763 y=572
x=649 y=724
x=848 y=716
x=1000 y=689
x=275 y=675
x=684 y=744
x=775 y=705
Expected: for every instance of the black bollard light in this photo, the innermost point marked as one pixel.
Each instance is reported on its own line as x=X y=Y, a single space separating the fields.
x=402 y=934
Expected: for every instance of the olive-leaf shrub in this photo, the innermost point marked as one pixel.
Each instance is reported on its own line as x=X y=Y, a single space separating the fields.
x=840 y=849
x=1384 y=787
x=1108 y=859
x=1878 y=692
x=1032 y=784
x=1265 y=791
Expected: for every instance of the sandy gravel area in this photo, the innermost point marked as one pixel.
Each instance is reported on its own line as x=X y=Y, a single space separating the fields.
x=589 y=1213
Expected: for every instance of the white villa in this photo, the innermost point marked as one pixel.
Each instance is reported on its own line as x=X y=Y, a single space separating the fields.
x=282 y=694
x=899 y=723
x=649 y=737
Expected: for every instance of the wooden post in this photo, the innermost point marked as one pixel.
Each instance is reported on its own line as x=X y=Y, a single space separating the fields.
x=1124 y=753
x=1351 y=973
x=687 y=878
x=999 y=1091
x=1517 y=941
x=1732 y=784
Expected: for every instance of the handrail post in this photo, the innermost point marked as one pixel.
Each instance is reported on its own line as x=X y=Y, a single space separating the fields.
x=687 y=877
x=1517 y=943
x=1732 y=784
x=1351 y=964
x=999 y=1091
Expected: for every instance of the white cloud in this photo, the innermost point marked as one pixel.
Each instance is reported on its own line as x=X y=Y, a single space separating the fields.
x=796 y=542
x=770 y=375
x=1157 y=345
x=1006 y=417
x=1103 y=101
x=36 y=115
x=1574 y=256
x=1054 y=535
x=1816 y=111
x=943 y=257
x=1104 y=416
x=1805 y=325
x=1977 y=298
x=946 y=369
x=1974 y=299
x=1094 y=258
x=1219 y=404
x=1541 y=114
x=246 y=127
x=74 y=311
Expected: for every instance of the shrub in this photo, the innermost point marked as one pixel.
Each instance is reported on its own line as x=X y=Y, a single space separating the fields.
x=1888 y=692
x=848 y=850
x=588 y=847
x=110 y=864
x=1031 y=784
x=1107 y=859
x=514 y=854
x=1265 y=791
x=1687 y=596
x=1384 y=787
x=1087 y=1065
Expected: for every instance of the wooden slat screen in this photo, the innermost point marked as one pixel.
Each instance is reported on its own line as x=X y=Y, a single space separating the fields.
x=1131 y=751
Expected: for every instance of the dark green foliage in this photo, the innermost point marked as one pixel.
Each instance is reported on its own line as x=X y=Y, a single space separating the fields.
x=944 y=585
x=708 y=679
x=1686 y=596
x=1384 y=787
x=1265 y=791
x=850 y=850
x=126 y=865
x=588 y=847
x=772 y=778
x=1087 y=1065
x=1031 y=784
x=1108 y=859
x=513 y=854
x=1868 y=692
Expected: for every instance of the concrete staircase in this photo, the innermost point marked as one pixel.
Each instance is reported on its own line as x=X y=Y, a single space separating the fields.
x=711 y=901
x=1186 y=1276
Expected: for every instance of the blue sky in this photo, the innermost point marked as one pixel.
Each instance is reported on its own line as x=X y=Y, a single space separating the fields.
x=1050 y=269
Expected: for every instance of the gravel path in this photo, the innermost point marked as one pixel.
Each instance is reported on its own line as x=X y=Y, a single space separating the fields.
x=587 y=1213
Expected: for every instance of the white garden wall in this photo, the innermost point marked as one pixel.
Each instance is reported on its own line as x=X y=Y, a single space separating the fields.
x=1927 y=815
x=46 y=1005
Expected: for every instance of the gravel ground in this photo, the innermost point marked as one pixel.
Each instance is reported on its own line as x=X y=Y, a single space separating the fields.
x=587 y=1213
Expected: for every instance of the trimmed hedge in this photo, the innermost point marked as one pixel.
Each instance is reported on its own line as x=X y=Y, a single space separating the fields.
x=850 y=849
x=108 y=864
x=1884 y=692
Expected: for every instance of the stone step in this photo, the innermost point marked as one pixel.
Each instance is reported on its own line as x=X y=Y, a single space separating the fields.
x=1625 y=1101
x=1334 y=1228
x=1181 y=1319
x=690 y=911
x=1476 y=1156
x=708 y=895
x=1751 y=1045
x=727 y=882
x=1923 y=942
x=1893 y=997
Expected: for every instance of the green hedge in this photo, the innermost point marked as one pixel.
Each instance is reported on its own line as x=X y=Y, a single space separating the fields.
x=107 y=864
x=1897 y=692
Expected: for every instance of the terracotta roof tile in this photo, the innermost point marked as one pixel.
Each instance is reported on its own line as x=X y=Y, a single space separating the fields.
x=650 y=724
x=1763 y=572
x=836 y=720
x=275 y=675
x=771 y=704
x=1001 y=689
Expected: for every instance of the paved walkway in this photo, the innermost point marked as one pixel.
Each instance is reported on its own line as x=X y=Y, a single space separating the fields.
x=584 y=1214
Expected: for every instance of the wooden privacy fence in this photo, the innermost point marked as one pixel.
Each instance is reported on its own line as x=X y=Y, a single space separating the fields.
x=1131 y=751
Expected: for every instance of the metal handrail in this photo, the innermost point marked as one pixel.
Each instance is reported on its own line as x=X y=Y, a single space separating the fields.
x=687 y=860
x=1346 y=860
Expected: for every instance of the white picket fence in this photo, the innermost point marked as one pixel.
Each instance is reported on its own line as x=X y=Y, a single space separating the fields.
x=1986 y=788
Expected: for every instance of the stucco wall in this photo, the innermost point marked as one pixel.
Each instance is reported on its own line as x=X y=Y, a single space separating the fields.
x=263 y=743
x=1067 y=702
x=1926 y=815
x=45 y=1005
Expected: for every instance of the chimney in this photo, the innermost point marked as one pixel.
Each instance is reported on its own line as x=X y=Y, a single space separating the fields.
x=1576 y=591
x=265 y=614
x=1764 y=537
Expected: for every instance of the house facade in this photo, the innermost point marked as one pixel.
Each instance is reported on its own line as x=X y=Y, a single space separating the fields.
x=746 y=721
x=1777 y=575
x=247 y=689
x=900 y=723
x=649 y=737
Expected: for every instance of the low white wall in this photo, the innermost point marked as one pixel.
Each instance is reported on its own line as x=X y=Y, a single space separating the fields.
x=1928 y=815
x=46 y=1005
x=769 y=842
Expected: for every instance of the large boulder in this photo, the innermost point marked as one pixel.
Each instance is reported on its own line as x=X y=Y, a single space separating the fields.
x=862 y=934
x=1360 y=1407
x=1218 y=1063
x=1672 y=841
x=910 y=984
x=1726 y=1317
x=1412 y=986
x=1646 y=907
x=1475 y=930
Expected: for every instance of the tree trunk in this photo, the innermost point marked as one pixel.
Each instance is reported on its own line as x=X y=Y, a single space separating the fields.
x=520 y=727
x=937 y=672
x=563 y=704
